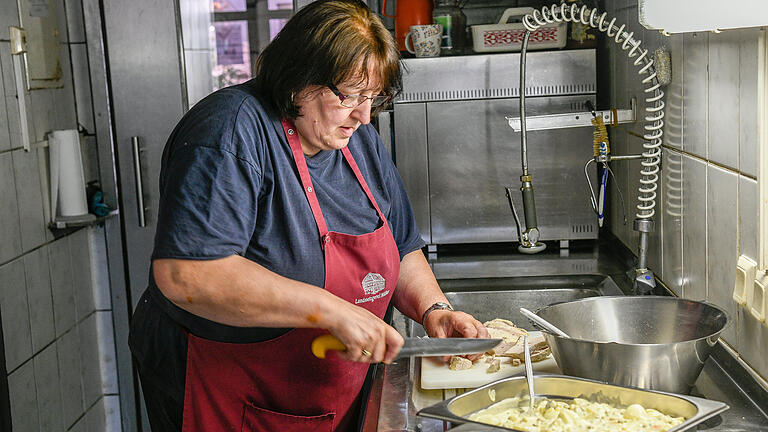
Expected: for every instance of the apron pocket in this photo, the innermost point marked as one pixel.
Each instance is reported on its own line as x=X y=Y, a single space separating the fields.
x=256 y=419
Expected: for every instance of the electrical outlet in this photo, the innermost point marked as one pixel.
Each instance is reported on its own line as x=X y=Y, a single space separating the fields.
x=745 y=276
x=757 y=306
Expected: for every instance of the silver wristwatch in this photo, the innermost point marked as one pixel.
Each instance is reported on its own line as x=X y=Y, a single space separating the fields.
x=434 y=307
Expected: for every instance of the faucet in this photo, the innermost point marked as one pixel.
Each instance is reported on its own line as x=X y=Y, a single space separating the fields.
x=643 y=279
x=529 y=238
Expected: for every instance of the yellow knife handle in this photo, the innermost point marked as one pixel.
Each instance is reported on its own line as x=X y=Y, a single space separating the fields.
x=323 y=343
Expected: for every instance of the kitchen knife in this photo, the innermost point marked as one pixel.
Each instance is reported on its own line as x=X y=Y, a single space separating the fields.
x=415 y=347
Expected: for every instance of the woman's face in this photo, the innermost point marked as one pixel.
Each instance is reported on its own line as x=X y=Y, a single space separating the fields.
x=323 y=123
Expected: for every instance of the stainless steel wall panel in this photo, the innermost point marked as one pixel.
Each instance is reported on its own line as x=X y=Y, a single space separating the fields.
x=411 y=159
x=456 y=152
x=474 y=154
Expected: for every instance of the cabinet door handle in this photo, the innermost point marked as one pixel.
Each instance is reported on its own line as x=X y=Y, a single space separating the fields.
x=139 y=184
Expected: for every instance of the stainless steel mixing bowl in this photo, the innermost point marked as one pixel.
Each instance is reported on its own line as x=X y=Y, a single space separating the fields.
x=658 y=343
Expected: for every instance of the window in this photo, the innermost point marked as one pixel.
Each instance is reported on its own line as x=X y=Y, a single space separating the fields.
x=223 y=38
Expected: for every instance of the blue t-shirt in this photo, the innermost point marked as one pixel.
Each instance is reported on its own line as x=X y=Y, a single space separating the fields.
x=229 y=185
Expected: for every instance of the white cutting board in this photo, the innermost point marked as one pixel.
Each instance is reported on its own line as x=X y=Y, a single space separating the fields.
x=437 y=375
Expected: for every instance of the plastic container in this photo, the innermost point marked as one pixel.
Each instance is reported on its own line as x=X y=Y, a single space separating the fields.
x=506 y=36
x=454 y=22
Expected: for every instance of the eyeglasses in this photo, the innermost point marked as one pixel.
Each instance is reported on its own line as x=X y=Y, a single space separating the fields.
x=355 y=100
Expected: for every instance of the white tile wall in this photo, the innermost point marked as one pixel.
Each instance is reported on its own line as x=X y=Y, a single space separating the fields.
x=100 y=270
x=673 y=97
x=95 y=417
x=695 y=80
x=36 y=270
x=24 y=408
x=64 y=310
x=15 y=314
x=107 y=356
x=753 y=342
x=9 y=15
x=48 y=389
x=80 y=254
x=14 y=122
x=30 y=198
x=5 y=134
x=724 y=99
x=748 y=55
x=75 y=27
x=748 y=198
x=61 y=15
x=672 y=220
x=82 y=83
x=89 y=358
x=722 y=239
x=694 y=229
x=9 y=83
x=70 y=364
x=59 y=352
x=10 y=246
x=708 y=211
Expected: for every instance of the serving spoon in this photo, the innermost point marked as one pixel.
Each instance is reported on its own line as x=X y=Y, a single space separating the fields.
x=528 y=373
x=543 y=323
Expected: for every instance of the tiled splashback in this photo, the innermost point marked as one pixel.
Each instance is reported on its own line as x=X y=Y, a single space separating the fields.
x=54 y=292
x=707 y=198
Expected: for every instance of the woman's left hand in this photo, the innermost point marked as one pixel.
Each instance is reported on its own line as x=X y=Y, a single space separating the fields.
x=444 y=323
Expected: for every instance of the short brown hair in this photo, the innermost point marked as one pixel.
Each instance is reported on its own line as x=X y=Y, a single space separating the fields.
x=327 y=42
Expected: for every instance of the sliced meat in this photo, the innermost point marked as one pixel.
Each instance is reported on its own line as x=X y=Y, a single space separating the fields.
x=536 y=343
x=495 y=366
x=505 y=330
x=506 y=326
x=460 y=363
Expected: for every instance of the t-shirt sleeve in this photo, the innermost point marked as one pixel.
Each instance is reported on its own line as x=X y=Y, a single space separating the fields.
x=208 y=204
x=401 y=217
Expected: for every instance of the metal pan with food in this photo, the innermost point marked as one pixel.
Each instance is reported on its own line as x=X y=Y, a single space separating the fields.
x=468 y=407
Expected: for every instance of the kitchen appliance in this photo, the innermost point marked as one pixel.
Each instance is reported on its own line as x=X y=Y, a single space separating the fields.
x=658 y=343
x=408 y=13
x=455 y=410
x=456 y=153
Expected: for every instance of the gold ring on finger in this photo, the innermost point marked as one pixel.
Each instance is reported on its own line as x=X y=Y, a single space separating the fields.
x=366 y=353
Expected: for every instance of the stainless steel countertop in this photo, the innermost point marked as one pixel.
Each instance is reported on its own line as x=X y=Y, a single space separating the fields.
x=392 y=402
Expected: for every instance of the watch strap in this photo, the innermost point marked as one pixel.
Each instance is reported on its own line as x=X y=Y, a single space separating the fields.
x=434 y=307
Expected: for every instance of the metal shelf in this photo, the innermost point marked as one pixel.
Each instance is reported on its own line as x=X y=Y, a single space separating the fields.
x=79 y=223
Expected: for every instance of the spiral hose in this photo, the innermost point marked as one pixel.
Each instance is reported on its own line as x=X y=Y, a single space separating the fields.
x=654 y=118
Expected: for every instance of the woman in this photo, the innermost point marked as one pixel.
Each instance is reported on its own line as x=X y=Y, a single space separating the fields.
x=283 y=218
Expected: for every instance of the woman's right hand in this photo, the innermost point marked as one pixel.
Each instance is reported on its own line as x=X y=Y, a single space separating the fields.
x=358 y=329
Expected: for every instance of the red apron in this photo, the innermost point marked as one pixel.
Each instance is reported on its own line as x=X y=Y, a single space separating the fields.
x=278 y=385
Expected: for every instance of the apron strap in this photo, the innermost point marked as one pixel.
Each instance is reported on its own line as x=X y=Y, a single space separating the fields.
x=306 y=182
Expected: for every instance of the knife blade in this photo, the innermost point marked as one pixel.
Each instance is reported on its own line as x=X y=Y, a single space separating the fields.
x=415 y=347
x=428 y=347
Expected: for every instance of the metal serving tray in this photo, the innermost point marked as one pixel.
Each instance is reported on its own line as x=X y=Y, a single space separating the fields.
x=455 y=410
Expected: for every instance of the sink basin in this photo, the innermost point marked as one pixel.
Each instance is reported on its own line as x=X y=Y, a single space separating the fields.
x=486 y=299
x=398 y=392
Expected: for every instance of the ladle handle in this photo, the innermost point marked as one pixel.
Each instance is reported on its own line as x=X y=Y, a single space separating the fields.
x=528 y=373
x=543 y=323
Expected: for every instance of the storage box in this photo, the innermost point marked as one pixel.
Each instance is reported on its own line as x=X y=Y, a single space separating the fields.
x=506 y=36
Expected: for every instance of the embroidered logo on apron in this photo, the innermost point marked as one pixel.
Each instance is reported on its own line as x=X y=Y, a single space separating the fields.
x=373 y=286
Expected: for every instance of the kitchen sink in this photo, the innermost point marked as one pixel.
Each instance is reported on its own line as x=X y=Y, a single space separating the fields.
x=486 y=299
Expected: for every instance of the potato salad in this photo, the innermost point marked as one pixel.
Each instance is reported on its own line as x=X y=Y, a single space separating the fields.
x=577 y=415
